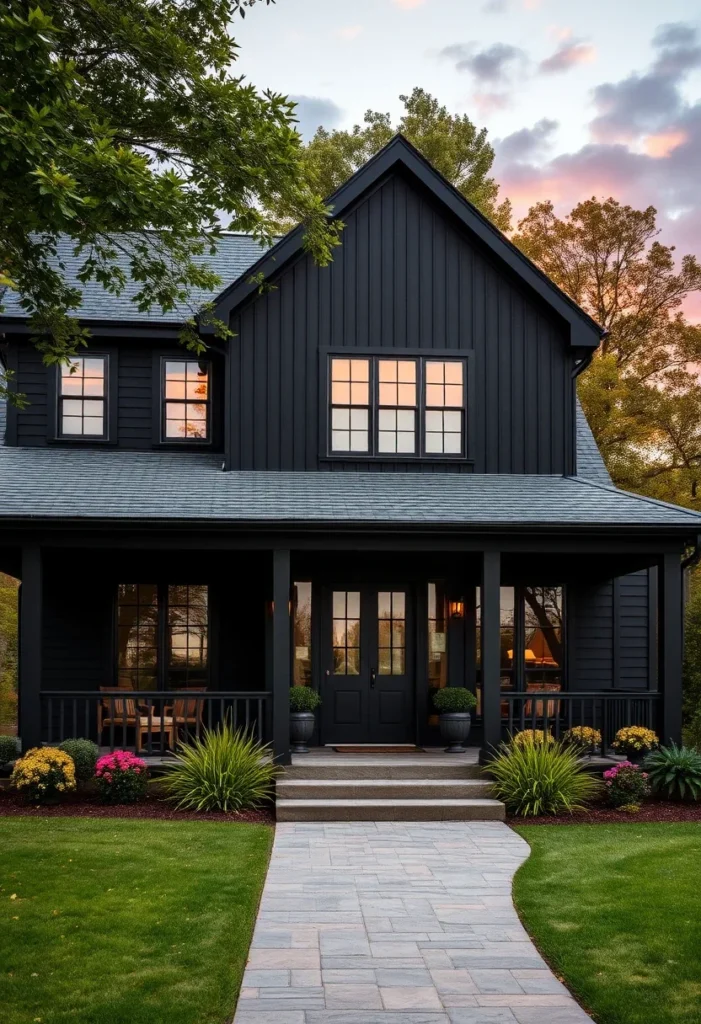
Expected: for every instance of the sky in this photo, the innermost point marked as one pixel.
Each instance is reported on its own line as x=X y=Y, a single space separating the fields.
x=579 y=99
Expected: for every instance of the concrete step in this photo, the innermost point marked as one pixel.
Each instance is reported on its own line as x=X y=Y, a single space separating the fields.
x=381 y=789
x=381 y=768
x=390 y=810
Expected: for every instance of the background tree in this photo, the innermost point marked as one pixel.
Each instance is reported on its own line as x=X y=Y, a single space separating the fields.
x=120 y=117
x=8 y=654
x=451 y=142
x=641 y=394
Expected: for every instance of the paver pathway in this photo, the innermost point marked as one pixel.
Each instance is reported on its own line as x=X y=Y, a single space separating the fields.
x=396 y=923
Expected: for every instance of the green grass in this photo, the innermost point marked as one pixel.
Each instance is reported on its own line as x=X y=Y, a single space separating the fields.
x=126 y=922
x=616 y=909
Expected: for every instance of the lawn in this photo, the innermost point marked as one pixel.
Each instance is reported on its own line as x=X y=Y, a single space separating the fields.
x=115 y=921
x=616 y=909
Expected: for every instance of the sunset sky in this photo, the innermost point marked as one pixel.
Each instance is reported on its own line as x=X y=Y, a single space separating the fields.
x=597 y=98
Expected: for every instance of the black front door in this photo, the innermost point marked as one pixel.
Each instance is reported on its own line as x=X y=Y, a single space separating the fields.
x=367 y=684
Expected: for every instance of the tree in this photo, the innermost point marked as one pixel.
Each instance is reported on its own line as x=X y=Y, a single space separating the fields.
x=641 y=394
x=452 y=143
x=8 y=653
x=120 y=117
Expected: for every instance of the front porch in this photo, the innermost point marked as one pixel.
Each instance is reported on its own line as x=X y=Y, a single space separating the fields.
x=147 y=645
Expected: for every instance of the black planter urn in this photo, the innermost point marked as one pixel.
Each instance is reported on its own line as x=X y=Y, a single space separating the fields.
x=455 y=728
x=301 y=729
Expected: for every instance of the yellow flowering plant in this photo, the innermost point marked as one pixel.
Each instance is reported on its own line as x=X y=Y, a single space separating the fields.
x=634 y=740
x=528 y=737
x=584 y=737
x=43 y=773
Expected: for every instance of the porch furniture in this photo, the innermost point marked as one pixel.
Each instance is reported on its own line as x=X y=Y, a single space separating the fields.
x=553 y=705
x=128 y=713
x=155 y=725
x=187 y=712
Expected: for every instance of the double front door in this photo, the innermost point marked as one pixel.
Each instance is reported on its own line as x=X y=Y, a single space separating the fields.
x=367 y=683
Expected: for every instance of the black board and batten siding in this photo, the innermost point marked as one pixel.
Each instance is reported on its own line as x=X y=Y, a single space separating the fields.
x=404 y=278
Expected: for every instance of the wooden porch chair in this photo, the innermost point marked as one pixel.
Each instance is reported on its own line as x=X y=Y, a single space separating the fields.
x=125 y=712
x=187 y=711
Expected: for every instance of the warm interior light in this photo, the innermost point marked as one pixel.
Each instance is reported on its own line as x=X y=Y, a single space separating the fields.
x=457 y=608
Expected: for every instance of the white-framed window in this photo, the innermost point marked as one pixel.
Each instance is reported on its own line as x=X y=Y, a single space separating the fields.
x=82 y=397
x=400 y=407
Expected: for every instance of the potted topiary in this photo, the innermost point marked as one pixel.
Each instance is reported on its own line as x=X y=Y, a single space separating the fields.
x=454 y=704
x=303 y=703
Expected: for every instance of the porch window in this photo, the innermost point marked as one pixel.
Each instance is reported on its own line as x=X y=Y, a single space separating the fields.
x=391 y=630
x=302 y=674
x=437 y=643
x=162 y=636
x=82 y=397
x=186 y=400
x=398 y=408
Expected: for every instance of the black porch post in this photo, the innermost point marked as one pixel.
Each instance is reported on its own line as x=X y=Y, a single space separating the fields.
x=490 y=653
x=29 y=681
x=282 y=653
x=671 y=646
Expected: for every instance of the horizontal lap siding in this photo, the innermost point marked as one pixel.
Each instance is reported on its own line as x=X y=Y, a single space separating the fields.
x=404 y=277
x=634 y=627
x=32 y=381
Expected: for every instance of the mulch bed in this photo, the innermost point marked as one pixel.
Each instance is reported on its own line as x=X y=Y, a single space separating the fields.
x=88 y=806
x=654 y=810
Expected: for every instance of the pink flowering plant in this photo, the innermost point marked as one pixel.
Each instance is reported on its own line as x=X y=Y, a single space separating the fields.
x=626 y=783
x=122 y=778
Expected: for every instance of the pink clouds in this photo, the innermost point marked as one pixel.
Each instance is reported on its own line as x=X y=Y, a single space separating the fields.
x=567 y=56
x=662 y=144
x=408 y=5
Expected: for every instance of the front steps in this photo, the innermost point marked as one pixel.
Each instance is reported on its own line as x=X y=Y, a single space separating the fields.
x=394 y=787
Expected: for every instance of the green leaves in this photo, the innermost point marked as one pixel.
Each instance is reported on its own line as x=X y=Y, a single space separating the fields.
x=538 y=778
x=675 y=772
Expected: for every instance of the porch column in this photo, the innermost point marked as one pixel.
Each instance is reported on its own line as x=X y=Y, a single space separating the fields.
x=29 y=675
x=671 y=645
x=490 y=653
x=281 y=656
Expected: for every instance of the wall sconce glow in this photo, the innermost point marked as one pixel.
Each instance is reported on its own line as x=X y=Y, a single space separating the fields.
x=457 y=608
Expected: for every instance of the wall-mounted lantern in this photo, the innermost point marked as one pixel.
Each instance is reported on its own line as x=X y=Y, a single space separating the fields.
x=457 y=608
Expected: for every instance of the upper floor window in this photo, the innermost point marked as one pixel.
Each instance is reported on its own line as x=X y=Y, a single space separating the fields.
x=397 y=407
x=186 y=400
x=82 y=397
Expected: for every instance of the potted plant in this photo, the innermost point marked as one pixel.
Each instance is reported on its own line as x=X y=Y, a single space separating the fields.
x=586 y=739
x=454 y=704
x=635 y=741
x=303 y=703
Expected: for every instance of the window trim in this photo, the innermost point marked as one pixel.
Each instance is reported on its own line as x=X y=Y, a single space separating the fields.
x=160 y=405
x=420 y=356
x=55 y=399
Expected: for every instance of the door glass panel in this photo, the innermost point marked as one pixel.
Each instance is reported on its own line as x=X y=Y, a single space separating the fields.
x=346 y=632
x=303 y=634
x=137 y=635
x=437 y=637
x=391 y=632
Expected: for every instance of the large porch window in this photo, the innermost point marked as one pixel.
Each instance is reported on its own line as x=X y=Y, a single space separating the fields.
x=162 y=636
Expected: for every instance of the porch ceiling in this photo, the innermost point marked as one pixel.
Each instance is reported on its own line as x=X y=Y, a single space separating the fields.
x=62 y=484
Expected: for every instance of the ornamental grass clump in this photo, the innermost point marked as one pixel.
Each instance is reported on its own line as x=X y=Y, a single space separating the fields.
x=224 y=770
x=675 y=772
x=626 y=784
x=635 y=741
x=541 y=778
x=122 y=778
x=44 y=773
x=84 y=754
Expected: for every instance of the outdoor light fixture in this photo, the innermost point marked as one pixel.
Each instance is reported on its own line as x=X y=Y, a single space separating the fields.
x=457 y=608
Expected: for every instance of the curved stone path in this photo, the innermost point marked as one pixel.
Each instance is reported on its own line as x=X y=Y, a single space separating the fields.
x=396 y=923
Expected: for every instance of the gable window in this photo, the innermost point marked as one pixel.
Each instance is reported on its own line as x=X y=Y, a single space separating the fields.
x=350 y=401
x=186 y=400
x=401 y=408
x=82 y=397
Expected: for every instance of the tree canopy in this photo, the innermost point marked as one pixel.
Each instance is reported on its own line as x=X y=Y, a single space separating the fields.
x=451 y=142
x=116 y=118
x=641 y=394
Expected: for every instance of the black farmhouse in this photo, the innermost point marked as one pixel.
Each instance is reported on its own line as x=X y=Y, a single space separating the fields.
x=381 y=485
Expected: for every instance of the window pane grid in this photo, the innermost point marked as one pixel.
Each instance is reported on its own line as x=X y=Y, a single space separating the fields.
x=186 y=396
x=350 y=405
x=82 y=397
x=444 y=407
x=396 y=417
x=346 y=633
x=137 y=635
x=188 y=633
x=391 y=633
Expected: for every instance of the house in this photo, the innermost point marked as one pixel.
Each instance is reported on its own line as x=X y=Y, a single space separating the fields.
x=382 y=485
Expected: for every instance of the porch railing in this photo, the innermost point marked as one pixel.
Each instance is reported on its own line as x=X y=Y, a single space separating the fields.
x=150 y=721
x=557 y=711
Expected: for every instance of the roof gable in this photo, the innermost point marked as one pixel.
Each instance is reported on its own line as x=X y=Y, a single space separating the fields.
x=399 y=154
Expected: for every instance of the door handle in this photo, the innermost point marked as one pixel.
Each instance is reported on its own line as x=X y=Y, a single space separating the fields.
x=372 y=679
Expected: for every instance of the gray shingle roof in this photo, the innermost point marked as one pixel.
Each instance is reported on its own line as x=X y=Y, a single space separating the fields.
x=590 y=463
x=235 y=254
x=112 y=485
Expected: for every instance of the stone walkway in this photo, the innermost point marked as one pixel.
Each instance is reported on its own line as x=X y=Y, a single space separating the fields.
x=396 y=923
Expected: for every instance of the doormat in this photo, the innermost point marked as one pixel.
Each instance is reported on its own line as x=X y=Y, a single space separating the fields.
x=380 y=750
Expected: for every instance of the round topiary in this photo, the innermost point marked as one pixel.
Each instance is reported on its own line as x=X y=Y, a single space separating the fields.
x=454 y=699
x=84 y=754
x=303 y=698
x=8 y=749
